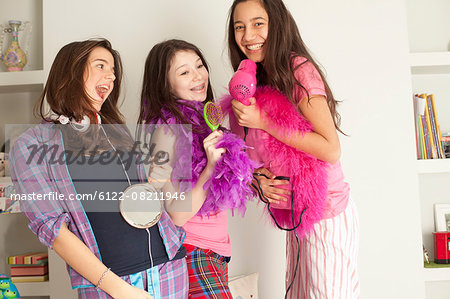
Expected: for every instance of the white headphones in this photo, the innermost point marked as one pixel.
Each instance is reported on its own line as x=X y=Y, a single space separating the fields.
x=80 y=126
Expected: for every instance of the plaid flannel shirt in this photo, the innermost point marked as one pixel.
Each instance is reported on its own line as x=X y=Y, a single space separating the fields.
x=47 y=216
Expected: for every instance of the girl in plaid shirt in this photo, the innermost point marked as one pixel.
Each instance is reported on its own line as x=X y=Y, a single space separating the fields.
x=106 y=257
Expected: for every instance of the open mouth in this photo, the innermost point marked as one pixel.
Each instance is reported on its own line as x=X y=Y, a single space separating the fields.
x=254 y=47
x=102 y=90
x=198 y=88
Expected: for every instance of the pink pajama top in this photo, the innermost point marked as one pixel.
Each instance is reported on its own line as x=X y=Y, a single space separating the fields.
x=209 y=233
x=338 y=189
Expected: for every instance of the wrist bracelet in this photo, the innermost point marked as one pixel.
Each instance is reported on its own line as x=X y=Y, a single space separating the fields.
x=101 y=278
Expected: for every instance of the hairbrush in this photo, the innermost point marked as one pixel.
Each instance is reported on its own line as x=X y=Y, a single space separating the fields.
x=213 y=115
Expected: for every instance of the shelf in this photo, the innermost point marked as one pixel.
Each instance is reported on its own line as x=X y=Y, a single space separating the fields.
x=21 y=78
x=430 y=63
x=21 y=81
x=33 y=288
x=433 y=166
x=435 y=274
x=5 y=180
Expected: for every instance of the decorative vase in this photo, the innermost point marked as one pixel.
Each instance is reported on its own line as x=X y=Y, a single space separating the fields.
x=14 y=58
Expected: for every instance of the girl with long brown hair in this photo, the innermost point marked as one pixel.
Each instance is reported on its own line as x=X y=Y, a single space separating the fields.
x=83 y=147
x=176 y=88
x=265 y=32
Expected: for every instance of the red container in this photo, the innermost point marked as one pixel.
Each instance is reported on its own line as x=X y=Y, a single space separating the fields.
x=442 y=247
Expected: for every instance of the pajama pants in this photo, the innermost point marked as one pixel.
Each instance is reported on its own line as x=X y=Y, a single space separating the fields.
x=208 y=273
x=328 y=259
x=168 y=281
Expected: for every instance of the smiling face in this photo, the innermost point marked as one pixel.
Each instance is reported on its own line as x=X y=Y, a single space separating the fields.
x=251 y=27
x=188 y=76
x=99 y=76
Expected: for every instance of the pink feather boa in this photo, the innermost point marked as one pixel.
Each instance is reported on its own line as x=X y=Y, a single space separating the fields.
x=308 y=175
x=229 y=185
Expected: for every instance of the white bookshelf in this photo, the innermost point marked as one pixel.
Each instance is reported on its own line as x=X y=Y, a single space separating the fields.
x=19 y=79
x=429 y=59
x=33 y=288
x=433 y=166
x=430 y=63
x=429 y=41
x=5 y=180
x=18 y=93
x=436 y=274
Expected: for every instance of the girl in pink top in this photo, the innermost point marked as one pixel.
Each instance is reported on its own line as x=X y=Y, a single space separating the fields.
x=265 y=32
x=176 y=86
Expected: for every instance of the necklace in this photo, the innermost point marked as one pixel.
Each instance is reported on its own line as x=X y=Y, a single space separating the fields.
x=118 y=156
x=130 y=205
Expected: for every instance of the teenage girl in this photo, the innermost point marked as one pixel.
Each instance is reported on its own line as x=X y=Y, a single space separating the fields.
x=176 y=86
x=265 y=32
x=106 y=257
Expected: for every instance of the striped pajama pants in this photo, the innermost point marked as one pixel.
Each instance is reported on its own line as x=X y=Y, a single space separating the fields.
x=328 y=259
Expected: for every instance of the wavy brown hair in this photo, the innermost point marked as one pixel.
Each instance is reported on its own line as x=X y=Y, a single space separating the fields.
x=65 y=92
x=156 y=90
x=283 y=45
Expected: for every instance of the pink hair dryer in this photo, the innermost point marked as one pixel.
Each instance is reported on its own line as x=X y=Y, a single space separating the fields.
x=242 y=85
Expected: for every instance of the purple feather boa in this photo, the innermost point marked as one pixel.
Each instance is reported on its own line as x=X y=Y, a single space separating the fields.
x=308 y=175
x=229 y=185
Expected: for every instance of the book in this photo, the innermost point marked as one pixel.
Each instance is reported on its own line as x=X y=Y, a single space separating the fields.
x=35 y=278
x=419 y=110
x=433 y=128
x=29 y=270
x=39 y=263
x=429 y=139
x=421 y=139
x=438 y=128
x=432 y=148
x=35 y=258
x=424 y=132
x=28 y=258
x=416 y=129
x=426 y=139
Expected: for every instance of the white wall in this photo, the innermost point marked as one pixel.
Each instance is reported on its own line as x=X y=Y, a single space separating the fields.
x=363 y=46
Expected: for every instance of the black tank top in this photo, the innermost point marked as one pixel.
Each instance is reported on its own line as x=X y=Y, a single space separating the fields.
x=122 y=247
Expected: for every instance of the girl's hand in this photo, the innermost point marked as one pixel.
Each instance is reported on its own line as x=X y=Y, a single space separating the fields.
x=268 y=186
x=212 y=153
x=248 y=116
x=160 y=175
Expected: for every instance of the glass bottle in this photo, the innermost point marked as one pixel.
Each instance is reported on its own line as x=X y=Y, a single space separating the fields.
x=15 y=58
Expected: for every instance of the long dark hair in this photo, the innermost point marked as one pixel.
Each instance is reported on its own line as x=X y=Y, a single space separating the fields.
x=156 y=91
x=283 y=45
x=64 y=91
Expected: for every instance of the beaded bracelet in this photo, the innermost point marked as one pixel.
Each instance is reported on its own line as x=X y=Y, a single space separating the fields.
x=101 y=278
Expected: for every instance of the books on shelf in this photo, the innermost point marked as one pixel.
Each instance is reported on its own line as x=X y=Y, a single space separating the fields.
x=29 y=267
x=427 y=129
x=446 y=144
x=26 y=270
x=37 y=278
x=35 y=258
